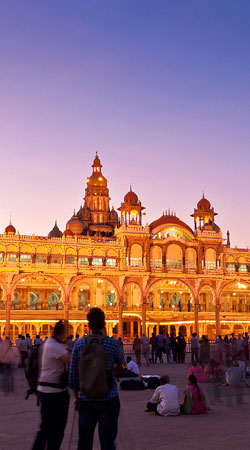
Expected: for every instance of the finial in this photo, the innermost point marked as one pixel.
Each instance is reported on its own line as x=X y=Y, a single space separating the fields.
x=56 y=222
x=10 y=218
x=203 y=193
x=74 y=212
x=130 y=187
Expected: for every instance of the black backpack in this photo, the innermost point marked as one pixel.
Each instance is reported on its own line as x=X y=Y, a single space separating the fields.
x=31 y=370
x=95 y=378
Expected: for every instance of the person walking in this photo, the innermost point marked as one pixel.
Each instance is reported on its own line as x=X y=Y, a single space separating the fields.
x=154 y=347
x=181 y=345
x=246 y=346
x=24 y=348
x=145 y=348
x=173 y=347
x=52 y=390
x=194 y=348
x=160 y=345
x=234 y=346
x=137 y=349
x=220 y=348
x=168 y=348
x=227 y=349
x=95 y=390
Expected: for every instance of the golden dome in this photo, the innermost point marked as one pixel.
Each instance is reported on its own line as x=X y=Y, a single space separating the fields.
x=75 y=224
x=204 y=203
x=10 y=229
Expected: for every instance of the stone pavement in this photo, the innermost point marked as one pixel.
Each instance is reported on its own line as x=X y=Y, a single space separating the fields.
x=226 y=426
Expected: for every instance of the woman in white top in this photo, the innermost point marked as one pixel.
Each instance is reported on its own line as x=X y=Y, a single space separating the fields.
x=53 y=394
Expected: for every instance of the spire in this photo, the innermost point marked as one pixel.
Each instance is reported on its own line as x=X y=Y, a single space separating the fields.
x=97 y=167
x=228 y=239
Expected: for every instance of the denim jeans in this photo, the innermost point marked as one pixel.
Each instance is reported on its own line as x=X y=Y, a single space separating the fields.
x=54 y=412
x=104 y=413
x=168 y=353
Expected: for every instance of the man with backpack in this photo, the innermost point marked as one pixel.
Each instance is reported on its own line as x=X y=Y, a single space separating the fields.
x=92 y=379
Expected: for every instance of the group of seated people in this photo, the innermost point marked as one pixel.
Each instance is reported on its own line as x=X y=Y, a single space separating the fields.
x=165 y=400
x=128 y=369
x=232 y=375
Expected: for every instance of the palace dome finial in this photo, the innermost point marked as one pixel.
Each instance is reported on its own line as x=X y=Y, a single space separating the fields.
x=204 y=203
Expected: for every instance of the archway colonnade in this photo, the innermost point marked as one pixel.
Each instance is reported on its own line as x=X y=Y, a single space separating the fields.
x=132 y=305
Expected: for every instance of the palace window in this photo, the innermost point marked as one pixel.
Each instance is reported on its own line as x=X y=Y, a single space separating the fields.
x=157 y=263
x=56 y=260
x=174 y=263
x=1 y=257
x=190 y=265
x=11 y=257
x=242 y=268
x=41 y=259
x=210 y=265
x=110 y=262
x=25 y=258
x=97 y=262
x=69 y=260
x=83 y=260
x=135 y=262
x=231 y=267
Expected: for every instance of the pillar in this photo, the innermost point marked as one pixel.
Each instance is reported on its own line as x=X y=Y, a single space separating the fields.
x=120 y=323
x=217 y=316
x=131 y=328
x=7 y=315
x=66 y=307
x=196 y=315
x=143 y=323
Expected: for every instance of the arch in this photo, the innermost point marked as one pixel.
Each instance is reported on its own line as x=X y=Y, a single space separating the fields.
x=41 y=249
x=242 y=260
x=136 y=255
x=54 y=278
x=84 y=251
x=230 y=259
x=111 y=253
x=56 y=250
x=210 y=259
x=174 y=255
x=235 y=296
x=98 y=252
x=70 y=251
x=11 y=248
x=26 y=249
x=156 y=256
x=238 y=329
x=157 y=280
x=45 y=329
x=190 y=258
x=81 y=278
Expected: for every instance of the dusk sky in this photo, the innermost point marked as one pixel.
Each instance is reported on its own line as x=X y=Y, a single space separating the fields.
x=161 y=89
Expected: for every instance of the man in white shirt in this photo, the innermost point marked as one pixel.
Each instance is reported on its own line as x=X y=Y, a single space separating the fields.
x=165 y=399
x=132 y=369
x=53 y=393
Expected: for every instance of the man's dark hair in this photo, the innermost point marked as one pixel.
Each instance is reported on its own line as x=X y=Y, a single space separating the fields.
x=96 y=319
x=128 y=359
x=164 y=379
x=59 y=327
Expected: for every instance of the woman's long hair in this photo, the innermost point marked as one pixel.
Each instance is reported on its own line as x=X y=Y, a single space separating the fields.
x=193 y=380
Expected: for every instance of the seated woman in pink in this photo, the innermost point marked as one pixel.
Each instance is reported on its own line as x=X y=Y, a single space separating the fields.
x=198 y=371
x=195 y=400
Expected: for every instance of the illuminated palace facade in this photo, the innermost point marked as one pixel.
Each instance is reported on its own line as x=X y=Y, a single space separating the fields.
x=165 y=275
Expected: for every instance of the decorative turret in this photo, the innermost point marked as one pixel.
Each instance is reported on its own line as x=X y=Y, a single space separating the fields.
x=75 y=224
x=204 y=216
x=228 y=239
x=131 y=209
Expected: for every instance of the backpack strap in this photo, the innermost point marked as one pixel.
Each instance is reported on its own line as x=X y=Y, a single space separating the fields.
x=90 y=338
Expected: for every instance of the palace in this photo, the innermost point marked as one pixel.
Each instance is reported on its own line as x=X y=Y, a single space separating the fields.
x=165 y=275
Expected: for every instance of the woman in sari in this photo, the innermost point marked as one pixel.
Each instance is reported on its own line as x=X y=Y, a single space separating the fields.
x=195 y=400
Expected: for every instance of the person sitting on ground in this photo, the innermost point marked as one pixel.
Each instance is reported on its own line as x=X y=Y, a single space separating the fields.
x=197 y=369
x=165 y=399
x=235 y=376
x=132 y=369
x=194 y=400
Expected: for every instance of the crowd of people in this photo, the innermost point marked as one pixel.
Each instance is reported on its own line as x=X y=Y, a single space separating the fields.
x=60 y=362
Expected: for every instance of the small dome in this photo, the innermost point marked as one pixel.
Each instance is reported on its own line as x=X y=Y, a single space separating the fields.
x=203 y=204
x=131 y=197
x=68 y=232
x=10 y=229
x=75 y=224
x=55 y=232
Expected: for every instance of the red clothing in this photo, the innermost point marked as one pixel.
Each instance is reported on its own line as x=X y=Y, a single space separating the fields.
x=198 y=406
x=198 y=372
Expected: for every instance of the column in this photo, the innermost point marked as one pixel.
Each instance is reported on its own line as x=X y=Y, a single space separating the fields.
x=143 y=322
x=217 y=316
x=131 y=328
x=120 y=323
x=7 y=315
x=196 y=315
x=66 y=307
